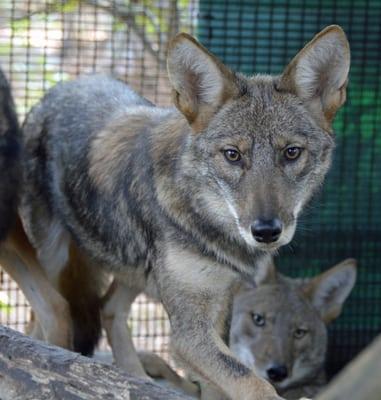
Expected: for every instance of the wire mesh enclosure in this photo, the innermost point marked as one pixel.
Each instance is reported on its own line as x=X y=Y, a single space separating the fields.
x=44 y=42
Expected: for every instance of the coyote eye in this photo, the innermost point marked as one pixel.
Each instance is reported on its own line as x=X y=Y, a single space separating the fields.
x=299 y=333
x=232 y=155
x=292 y=153
x=259 y=319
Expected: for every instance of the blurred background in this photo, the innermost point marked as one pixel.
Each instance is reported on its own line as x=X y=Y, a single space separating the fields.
x=44 y=42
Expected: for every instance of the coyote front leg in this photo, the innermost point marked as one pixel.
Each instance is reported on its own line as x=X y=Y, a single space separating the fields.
x=193 y=290
x=116 y=306
x=196 y=343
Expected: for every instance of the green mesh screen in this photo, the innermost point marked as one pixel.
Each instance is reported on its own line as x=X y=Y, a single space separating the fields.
x=345 y=219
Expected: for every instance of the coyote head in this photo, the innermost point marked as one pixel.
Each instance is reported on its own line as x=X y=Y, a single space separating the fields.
x=279 y=328
x=259 y=145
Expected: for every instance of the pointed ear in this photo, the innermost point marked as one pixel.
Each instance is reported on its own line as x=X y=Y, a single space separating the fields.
x=328 y=291
x=200 y=82
x=318 y=74
x=266 y=273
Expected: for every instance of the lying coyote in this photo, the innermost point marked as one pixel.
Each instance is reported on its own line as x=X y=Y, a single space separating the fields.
x=279 y=329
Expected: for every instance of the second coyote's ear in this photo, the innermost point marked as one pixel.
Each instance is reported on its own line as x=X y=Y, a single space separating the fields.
x=201 y=83
x=318 y=74
x=329 y=290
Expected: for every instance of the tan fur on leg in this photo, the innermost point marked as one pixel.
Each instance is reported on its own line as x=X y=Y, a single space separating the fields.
x=157 y=368
x=116 y=306
x=18 y=258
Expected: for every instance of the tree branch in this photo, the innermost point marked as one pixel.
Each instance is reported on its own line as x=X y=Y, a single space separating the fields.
x=31 y=369
x=360 y=380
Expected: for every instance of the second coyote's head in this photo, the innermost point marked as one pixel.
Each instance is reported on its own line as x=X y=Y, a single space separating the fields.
x=279 y=328
x=259 y=146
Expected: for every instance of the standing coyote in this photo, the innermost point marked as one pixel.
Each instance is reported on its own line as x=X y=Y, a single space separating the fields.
x=181 y=201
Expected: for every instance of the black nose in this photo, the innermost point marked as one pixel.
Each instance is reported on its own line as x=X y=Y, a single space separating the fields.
x=277 y=373
x=266 y=231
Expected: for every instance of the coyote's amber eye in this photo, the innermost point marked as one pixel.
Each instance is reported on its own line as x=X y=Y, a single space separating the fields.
x=232 y=155
x=259 y=319
x=299 y=333
x=292 y=153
